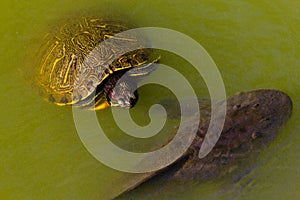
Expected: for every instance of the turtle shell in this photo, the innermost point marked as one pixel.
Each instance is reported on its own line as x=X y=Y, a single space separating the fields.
x=75 y=60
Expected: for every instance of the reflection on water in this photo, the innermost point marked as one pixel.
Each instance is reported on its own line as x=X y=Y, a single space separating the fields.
x=254 y=44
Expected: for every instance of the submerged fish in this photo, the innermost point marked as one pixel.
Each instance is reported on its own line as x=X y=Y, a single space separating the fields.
x=252 y=121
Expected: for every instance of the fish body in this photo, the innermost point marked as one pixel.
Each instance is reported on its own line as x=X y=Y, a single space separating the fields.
x=252 y=121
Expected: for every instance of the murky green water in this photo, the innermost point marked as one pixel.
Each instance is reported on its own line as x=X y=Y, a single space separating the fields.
x=256 y=44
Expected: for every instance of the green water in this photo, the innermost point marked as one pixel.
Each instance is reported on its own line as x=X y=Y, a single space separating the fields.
x=255 y=44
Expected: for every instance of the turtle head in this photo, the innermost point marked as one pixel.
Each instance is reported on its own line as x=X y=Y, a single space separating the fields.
x=122 y=96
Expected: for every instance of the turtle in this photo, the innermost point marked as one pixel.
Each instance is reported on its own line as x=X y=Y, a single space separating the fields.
x=253 y=119
x=83 y=59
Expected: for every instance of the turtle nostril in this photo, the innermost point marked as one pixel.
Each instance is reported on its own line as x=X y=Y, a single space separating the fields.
x=256 y=135
x=255 y=106
x=236 y=107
